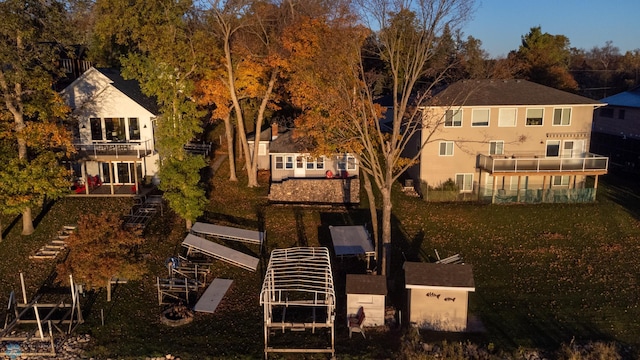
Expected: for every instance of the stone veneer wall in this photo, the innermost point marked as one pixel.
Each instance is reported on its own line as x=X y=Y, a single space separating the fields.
x=325 y=191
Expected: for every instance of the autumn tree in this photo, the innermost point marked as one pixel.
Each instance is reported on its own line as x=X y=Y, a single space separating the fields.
x=100 y=250
x=164 y=58
x=349 y=117
x=545 y=59
x=32 y=37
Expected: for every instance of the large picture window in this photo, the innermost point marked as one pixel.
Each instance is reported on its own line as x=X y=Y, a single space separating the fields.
x=115 y=129
x=453 y=118
x=562 y=117
x=134 y=129
x=96 y=128
x=507 y=117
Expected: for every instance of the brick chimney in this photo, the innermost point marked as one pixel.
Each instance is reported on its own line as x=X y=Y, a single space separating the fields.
x=274 y=131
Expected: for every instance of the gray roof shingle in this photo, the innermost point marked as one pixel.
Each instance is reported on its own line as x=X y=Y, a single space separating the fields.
x=366 y=284
x=506 y=92
x=434 y=274
x=131 y=88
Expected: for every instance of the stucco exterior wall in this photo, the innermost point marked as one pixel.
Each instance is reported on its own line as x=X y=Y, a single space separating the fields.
x=443 y=310
x=373 y=306
x=326 y=191
x=521 y=140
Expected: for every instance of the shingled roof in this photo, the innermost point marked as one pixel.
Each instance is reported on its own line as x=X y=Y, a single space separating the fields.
x=366 y=284
x=131 y=88
x=506 y=92
x=425 y=275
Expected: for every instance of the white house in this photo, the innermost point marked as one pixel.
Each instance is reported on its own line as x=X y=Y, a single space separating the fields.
x=115 y=134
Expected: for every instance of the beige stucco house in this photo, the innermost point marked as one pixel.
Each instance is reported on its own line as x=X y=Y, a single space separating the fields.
x=509 y=141
x=438 y=295
x=115 y=133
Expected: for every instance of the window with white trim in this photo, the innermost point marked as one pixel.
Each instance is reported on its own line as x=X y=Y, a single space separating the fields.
x=464 y=182
x=507 y=117
x=347 y=163
x=320 y=163
x=446 y=148
x=453 y=118
x=553 y=148
x=561 y=180
x=289 y=163
x=562 y=117
x=480 y=117
x=279 y=162
x=534 y=117
x=496 y=147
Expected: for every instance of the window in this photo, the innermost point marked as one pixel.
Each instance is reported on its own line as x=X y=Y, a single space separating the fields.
x=621 y=114
x=115 y=129
x=446 y=148
x=279 y=162
x=561 y=180
x=96 y=128
x=606 y=112
x=310 y=163
x=562 y=117
x=299 y=162
x=347 y=163
x=262 y=149
x=488 y=185
x=351 y=163
x=534 y=117
x=464 y=182
x=507 y=117
x=480 y=117
x=572 y=148
x=289 y=163
x=453 y=118
x=553 y=148
x=524 y=181
x=320 y=163
x=134 y=129
x=496 y=147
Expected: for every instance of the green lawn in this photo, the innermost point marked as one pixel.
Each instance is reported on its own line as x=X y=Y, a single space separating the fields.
x=545 y=274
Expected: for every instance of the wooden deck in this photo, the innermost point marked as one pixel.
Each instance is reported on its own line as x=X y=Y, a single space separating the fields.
x=105 y=190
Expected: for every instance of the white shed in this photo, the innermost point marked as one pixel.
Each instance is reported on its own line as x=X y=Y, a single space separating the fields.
x=368 y=291
x=438 y=295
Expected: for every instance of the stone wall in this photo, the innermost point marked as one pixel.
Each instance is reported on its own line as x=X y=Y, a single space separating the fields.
x=324 y=191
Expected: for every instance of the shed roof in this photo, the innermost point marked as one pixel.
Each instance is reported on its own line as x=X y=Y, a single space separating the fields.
x=426 y=275
x=506 y=92
x=366 y=284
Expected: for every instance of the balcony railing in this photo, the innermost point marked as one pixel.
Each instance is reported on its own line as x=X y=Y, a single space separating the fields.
x=137 y=149
x=589 y=164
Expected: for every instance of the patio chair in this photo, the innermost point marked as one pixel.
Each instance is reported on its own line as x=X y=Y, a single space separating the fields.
x=355 y=322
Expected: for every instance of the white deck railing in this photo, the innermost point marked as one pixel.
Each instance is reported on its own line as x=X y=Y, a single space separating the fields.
x=540 y=163
x=140 y=148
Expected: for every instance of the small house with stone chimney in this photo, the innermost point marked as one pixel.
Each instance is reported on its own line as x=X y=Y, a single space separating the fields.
x=299 y=177
x=438 y=295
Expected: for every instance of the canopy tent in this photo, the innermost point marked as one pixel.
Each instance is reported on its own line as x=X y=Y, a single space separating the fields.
x=352 y=241
x=298 y=279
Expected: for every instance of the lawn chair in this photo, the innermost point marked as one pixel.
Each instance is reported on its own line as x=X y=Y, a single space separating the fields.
x=355 y=322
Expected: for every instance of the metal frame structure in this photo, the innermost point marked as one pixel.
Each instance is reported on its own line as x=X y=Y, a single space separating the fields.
x=299 y=277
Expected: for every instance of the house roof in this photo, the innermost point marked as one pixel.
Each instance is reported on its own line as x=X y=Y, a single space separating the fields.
x=366 y=284
x=265 y=135
x=426 y=275
x=506 y=92
x=629 y=98
x=286 y=144
x=131 y=88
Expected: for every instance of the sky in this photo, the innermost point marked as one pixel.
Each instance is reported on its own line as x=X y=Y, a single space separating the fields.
x=500 y=24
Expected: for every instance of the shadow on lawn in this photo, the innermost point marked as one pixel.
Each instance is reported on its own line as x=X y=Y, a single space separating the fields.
x=623 y=189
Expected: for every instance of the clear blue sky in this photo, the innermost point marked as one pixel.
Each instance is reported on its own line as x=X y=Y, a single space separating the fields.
x=500 y=24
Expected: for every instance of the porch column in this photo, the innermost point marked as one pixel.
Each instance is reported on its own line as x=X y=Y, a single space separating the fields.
x=111 y=176
x=595 y=188
x=518 y=190
x=135 y=177
x=493 y=193
x=83 y=170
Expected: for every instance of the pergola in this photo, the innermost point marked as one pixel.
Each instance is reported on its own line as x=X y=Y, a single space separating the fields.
x=298 y=294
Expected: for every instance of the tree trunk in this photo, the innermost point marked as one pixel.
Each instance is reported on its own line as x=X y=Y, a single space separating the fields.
x=386 y=229
x=27 y=222
x=229 y=136
x=374 y=216
x=188 y=224
x=1 y=230
x=252 y=167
